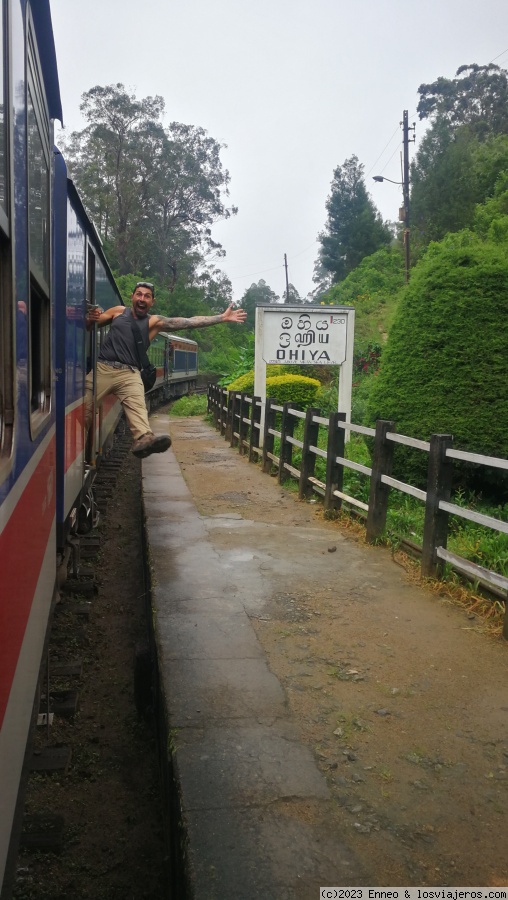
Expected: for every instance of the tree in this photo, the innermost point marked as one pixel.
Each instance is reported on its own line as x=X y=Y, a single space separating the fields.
x=452 y=173
x=257 y=295
x=153 y=192
x=354 y=228
x=294 y=296
x=477 y=96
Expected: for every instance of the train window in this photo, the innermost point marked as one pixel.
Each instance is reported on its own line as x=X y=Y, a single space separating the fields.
x=6 y=292
x=40 y=357
x=38 y=155
x=180 y=363
x=38 y=196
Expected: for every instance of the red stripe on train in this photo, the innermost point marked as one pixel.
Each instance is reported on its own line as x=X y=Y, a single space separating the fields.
x=23 y=544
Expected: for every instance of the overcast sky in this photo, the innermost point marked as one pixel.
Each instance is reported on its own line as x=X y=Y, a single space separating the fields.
x=292 y=87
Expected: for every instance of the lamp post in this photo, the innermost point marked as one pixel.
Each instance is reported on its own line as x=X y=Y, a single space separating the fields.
x=405 y=186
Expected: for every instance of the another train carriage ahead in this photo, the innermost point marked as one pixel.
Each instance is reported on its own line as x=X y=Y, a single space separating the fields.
x=176 y=360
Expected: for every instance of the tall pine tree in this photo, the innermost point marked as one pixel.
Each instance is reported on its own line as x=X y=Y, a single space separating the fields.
x=354 y=228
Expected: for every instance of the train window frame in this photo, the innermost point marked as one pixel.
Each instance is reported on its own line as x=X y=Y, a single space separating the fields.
x=39 y=313
x=7 y=317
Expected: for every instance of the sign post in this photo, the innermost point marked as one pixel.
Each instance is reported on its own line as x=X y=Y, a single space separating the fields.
x=305 y=336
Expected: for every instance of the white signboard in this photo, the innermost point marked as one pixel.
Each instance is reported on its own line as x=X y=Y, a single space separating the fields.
x=306 y=337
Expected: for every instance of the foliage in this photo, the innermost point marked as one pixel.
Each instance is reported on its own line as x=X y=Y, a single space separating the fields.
x=491 y=218
x=453 y=172
x=477 y=96
x=291 y=296
x=153 y=192
x=244 y=383
x=445 y=367
x=258 y=294
x=366 y=359
x=298 y=389
x=354 y=228
x=193 y=405
x=240 y=362
x=373 y=289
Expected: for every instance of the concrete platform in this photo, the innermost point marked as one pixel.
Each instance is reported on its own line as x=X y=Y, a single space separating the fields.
x=330 y=720
x=253 y=802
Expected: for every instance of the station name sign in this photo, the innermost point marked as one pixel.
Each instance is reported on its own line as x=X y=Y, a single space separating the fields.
x=311 y=337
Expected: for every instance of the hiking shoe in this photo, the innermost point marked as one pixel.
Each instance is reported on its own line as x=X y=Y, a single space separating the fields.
x=151 y=443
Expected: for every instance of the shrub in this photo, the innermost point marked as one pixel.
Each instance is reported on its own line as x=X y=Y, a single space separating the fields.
x=296 y=389
x=244 y=383
x=445 y=367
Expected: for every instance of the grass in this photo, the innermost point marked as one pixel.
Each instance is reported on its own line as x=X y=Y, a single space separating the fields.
x=406 y=514
x=193 y=405
x=405 y=521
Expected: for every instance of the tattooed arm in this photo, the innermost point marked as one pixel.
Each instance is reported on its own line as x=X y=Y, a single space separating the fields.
x=177 y=323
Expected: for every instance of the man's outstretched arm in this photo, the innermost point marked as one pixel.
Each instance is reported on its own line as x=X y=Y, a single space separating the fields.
x=176 y=323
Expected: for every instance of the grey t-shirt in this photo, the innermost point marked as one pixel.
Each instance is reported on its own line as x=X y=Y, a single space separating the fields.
x=119 y=344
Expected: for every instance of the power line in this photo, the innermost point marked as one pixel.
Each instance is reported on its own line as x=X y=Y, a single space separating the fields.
x=260 y=272
x=499 y=56
x=272 y=268
x=383 y=150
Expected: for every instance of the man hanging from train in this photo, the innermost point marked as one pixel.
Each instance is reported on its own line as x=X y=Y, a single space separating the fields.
x=118 y=365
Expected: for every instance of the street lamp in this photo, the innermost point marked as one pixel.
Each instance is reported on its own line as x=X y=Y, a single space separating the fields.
x=403 y=215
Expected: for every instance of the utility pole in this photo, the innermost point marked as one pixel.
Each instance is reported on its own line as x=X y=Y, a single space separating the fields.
x=287 y=281
x=405 y=184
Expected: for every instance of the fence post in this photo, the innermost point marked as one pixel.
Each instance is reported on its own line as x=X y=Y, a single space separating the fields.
x=242 y=425
x=234 y=403
x=229 y=416
x=334 y=470
x=209 y=406
x=381 y=465
x=215 y=405
x=255 y=419
x=286 y=448
x=268 y=439
x=308 y=464
x=223 y=400
x=439 y=487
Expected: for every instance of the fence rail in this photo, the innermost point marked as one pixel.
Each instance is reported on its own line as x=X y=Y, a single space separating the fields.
x=238 y=417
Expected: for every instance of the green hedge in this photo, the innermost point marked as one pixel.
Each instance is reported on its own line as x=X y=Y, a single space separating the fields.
x=445 y=366
x=245 y=383
x=296 y=389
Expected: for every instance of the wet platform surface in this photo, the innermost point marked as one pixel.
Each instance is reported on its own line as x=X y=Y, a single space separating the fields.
x=256 y=809
x=254 y=803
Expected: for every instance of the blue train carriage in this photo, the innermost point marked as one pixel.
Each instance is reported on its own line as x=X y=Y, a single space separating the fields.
x=82 y=278
x=29 y=103
x=176 y=361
